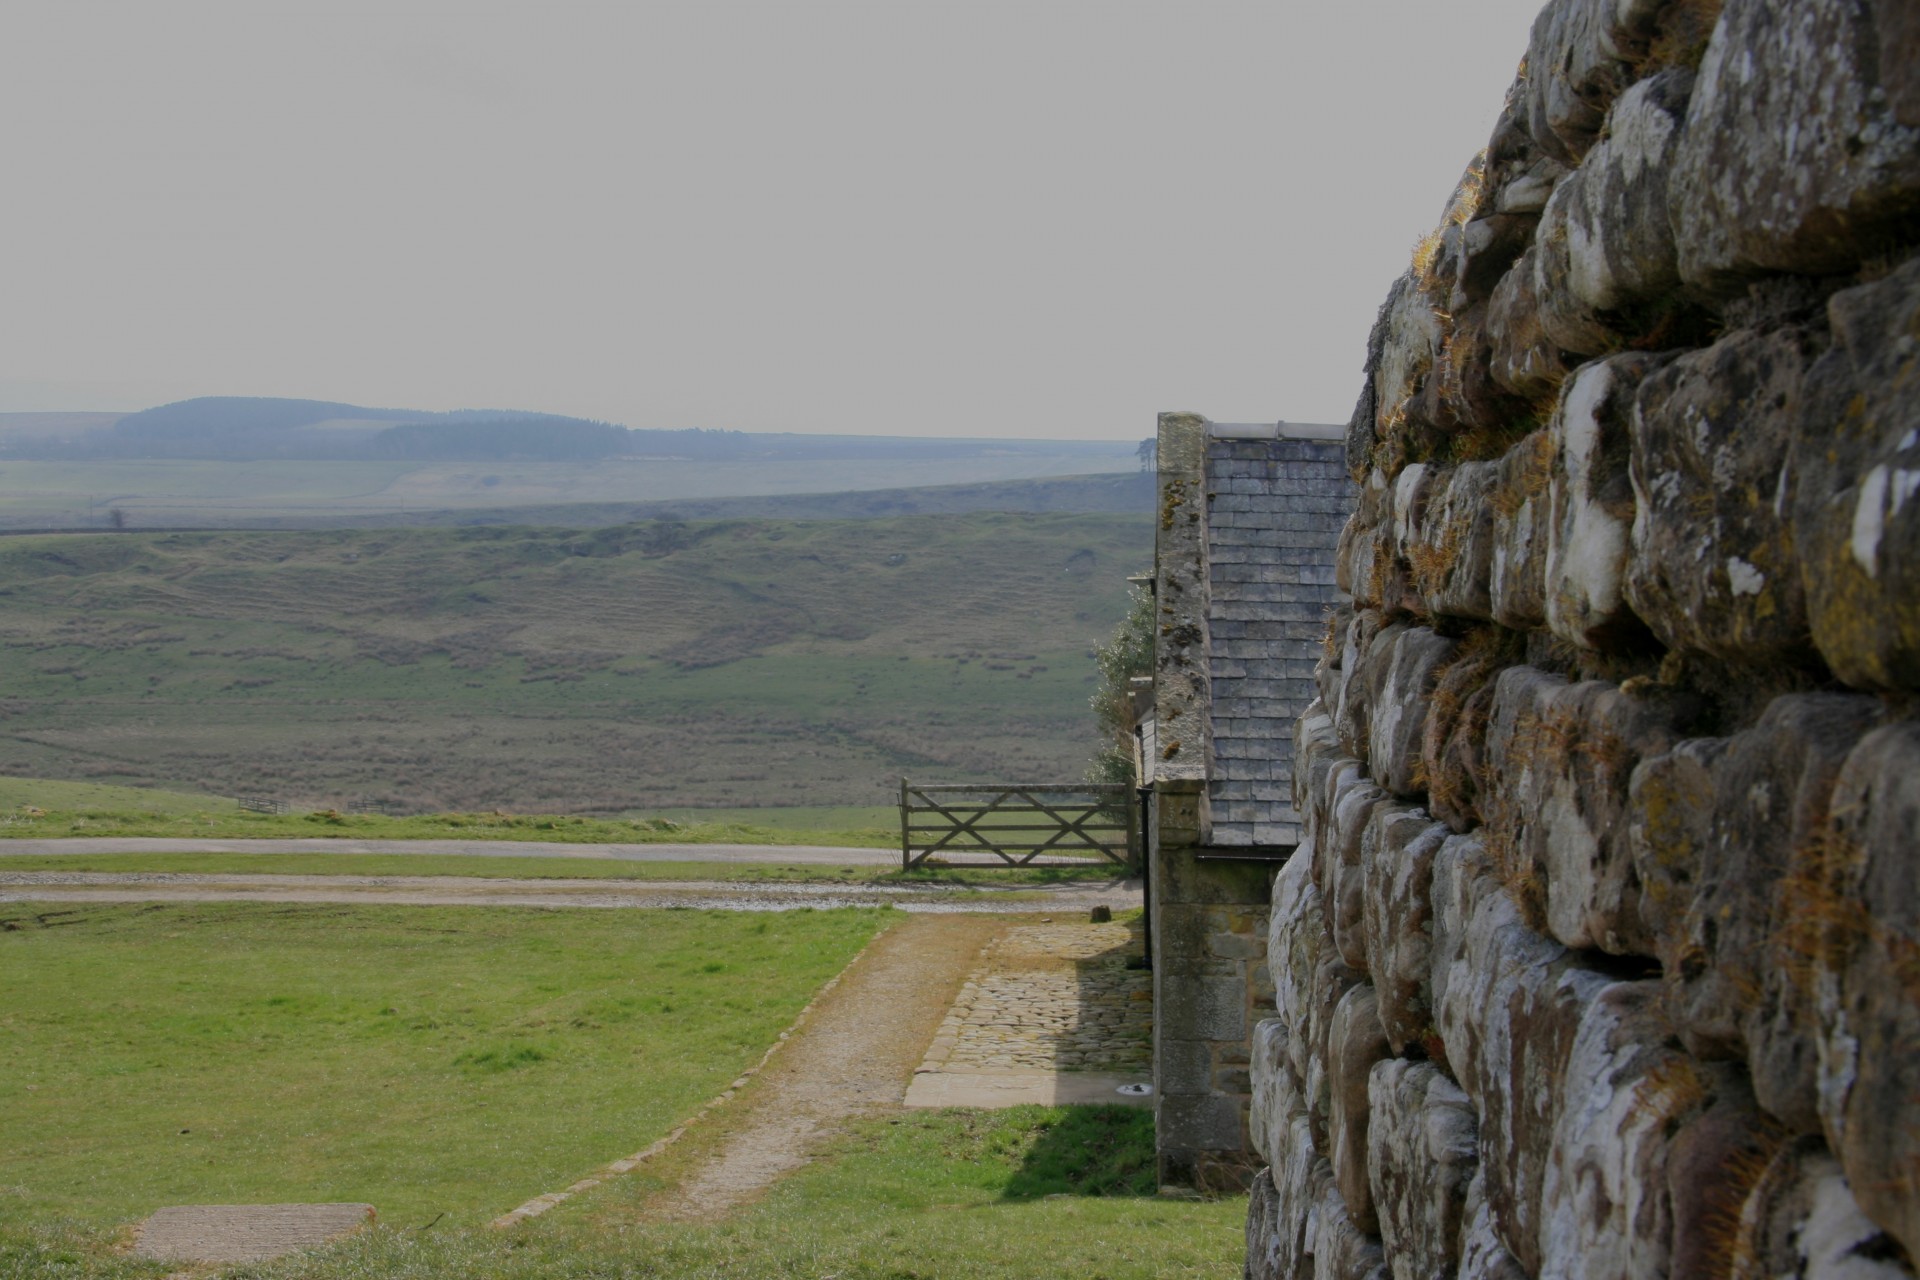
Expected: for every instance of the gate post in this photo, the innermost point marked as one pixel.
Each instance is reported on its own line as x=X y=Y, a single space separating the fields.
x=906 y=857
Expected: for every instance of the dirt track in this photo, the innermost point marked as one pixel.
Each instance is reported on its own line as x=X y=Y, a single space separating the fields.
x=97 y=886
x=799 y=854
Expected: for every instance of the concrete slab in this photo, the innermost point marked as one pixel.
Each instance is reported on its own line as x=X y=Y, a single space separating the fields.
x=992 y=1090
x=245 y=1232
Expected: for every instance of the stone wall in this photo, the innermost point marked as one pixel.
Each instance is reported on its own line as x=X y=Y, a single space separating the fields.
x=1600 y=955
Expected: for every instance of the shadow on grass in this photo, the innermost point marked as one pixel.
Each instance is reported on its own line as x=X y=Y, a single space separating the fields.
x=1088 y=1151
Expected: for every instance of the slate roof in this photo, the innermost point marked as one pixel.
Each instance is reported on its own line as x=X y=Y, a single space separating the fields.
x=1275 y=508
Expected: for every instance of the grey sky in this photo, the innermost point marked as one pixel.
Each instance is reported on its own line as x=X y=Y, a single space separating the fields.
x=964 y=218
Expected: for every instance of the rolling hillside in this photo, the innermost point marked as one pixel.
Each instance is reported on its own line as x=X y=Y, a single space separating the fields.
x=643 y=665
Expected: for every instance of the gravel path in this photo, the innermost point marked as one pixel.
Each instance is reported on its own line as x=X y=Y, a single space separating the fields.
x=100 y=886
x=853 y=1056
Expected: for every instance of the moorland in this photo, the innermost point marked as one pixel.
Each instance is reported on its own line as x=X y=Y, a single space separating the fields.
x=729 y=663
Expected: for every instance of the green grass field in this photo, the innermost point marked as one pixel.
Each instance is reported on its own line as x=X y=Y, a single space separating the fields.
x=1059 y=1192
x=401 y=864
x=632 y=669
x=428 y=1060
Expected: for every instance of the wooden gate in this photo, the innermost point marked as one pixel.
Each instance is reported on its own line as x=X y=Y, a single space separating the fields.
x=1016 y=825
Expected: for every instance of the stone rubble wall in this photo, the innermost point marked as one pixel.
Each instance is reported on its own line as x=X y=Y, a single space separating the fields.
x=1600 y=955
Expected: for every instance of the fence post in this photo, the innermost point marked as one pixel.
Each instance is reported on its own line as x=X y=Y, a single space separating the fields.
x=906 y=855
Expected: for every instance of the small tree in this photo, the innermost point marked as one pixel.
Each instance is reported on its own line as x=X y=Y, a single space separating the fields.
x=117 y=517
x=1127 y=655
x=1148 y=451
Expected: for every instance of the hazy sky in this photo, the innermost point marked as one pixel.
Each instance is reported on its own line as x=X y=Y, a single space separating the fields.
x=960 y=218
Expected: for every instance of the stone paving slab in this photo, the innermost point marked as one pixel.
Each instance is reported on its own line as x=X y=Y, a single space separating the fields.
x=245 y=1232
x=1050 y=1014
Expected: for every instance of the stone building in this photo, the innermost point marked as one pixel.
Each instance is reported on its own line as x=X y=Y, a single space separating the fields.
x=1249 y=517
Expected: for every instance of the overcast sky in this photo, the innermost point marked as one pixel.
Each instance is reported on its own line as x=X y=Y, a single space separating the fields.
x=962 y=218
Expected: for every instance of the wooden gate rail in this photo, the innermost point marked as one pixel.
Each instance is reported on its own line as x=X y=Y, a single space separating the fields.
x=1068 y=820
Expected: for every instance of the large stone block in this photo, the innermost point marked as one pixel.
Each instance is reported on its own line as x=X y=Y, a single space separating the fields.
x=1421 y=1158
x=1352 y=715
x=1276 y=1095
x=1592 y=504
x=1355 y=1042
x=1619 y=241
x=1483 y=1256
x=1578 y=61
x=1523 y=359
x=1400 y=702
x=1364 y=552
x=1523 y=508
x=1450 y=547
x=1454 y=745
x=1606 y=1212
x=1858 y=905
x=1316 y=749
x=1714 y=824
x=1342 y=887
x=1396 y=865
x=1463 y=874
x=1326 y=673
x=1509 y=1010
x=1713 y=566
x=1331 y=982
x=1856 y=518
x=1561 y=759
x=1342 y=1249
x=1802 y=1220
x=1801 y=151
x=1566 y=320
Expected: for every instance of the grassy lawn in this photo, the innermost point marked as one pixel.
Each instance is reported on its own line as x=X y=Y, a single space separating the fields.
x=403 y=864
x=429 y=1060
x=1059 y=1192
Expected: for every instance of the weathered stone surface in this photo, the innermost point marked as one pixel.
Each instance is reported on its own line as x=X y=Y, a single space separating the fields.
x=1577 y=63
x=1605 y=1207
x=1713 y=566
x=1523 y=359
x=1265 y=1229
x=1331 y=982
x=1713 y=826
x=1454 y=745
x=1482 y=1254
x=1342 y=885
x=1421 y=1157
x=1366 y=541
x=1351 y=715
x=1276 y=1096
x=1593 y=507
x=1561 y=758
x=1396 y=866
x=1355 y=1041
x=1296 y=938
x=1860 y=896
x=1566 y=319
x=1619 y=241
x=1802 y=1221
x=1794 y=157
x=1341 y=1249
x=1509 y=1010
x=1400 y=702
x=1280 y=1217
x=1326 y=674
x=1523 y=508
x=1316 y=749
x=1518 y=174
x=1713 y=1163
x=1450 y=548
x=1463 y=874
x=1856 y=518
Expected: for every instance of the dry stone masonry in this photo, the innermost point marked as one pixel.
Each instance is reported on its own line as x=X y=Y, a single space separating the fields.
x=1600 y=952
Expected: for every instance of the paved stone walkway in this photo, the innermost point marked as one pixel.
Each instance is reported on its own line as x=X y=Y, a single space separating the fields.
x=1050 y=1013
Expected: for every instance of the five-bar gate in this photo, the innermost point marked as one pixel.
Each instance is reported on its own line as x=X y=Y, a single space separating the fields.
x=1016 y=824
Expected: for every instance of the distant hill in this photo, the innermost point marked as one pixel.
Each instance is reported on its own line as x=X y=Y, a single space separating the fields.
x=254 y=428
